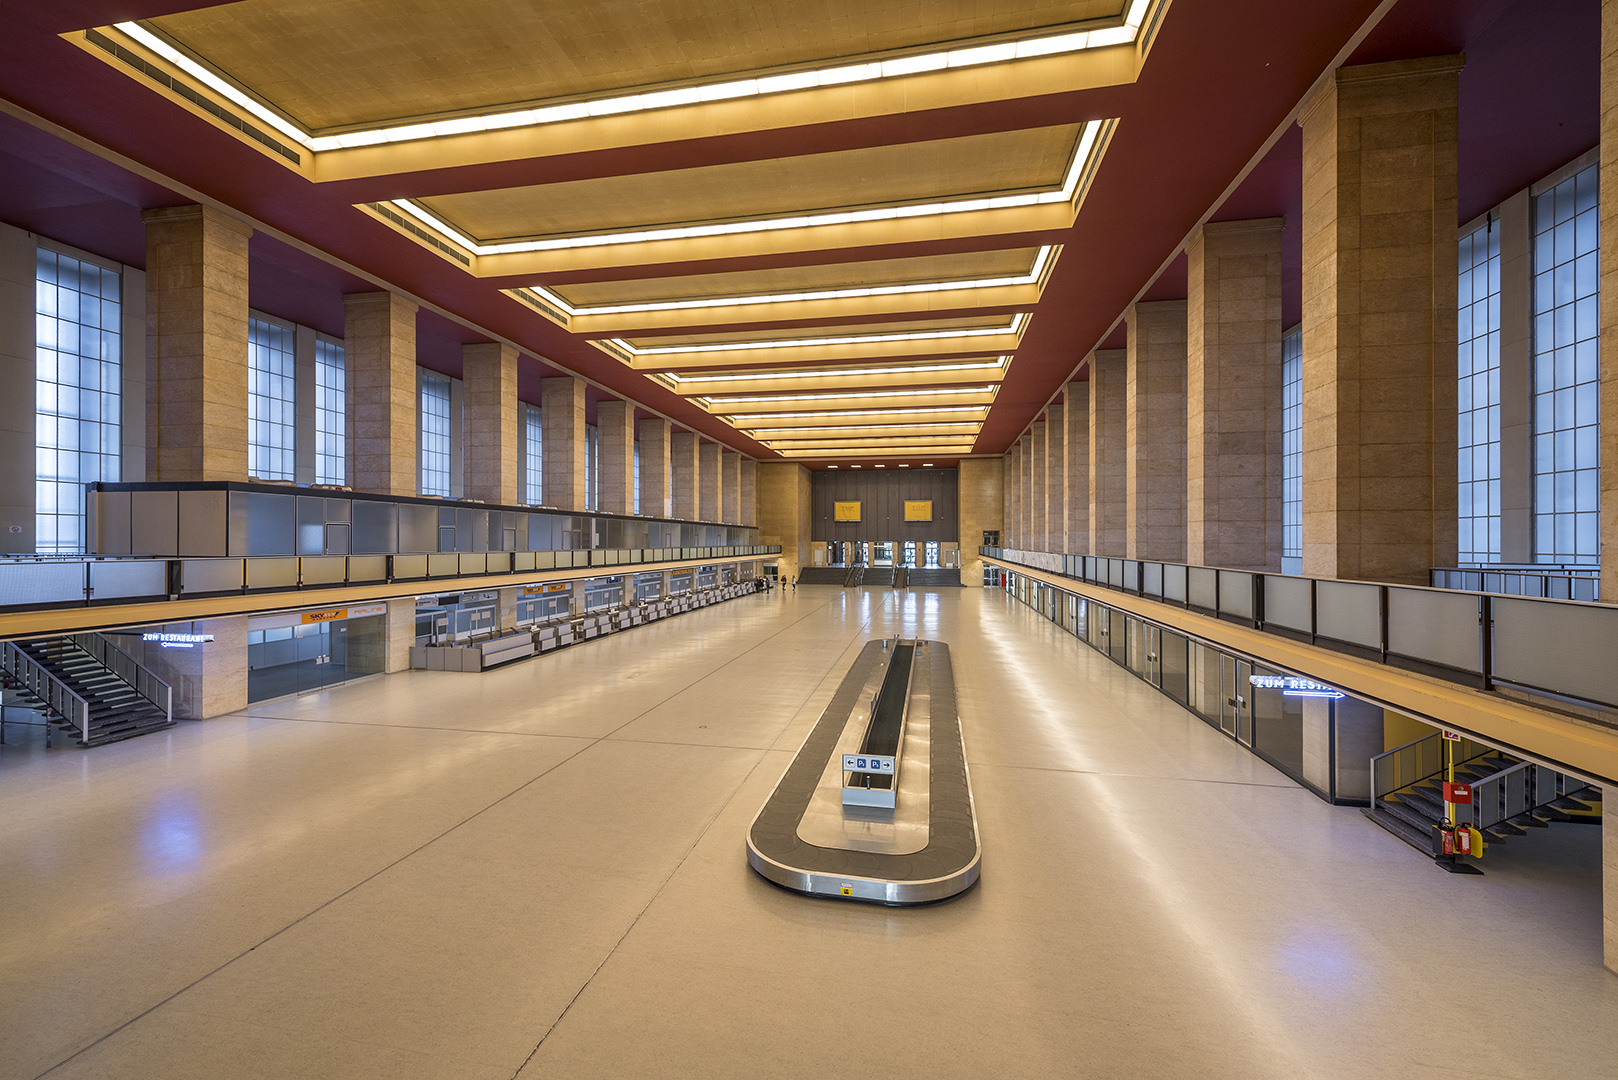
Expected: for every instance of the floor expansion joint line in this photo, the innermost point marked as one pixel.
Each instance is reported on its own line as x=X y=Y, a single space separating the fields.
x=411 y=727
x=317 y=909
x=763 y=755
x=1133 y=776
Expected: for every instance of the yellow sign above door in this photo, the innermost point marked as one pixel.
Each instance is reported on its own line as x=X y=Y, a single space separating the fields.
x=847 y=511
x=919 y=511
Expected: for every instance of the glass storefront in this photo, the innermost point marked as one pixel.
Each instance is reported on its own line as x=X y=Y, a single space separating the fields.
x=1324 y=741
x=455 y=617
x=303 y=651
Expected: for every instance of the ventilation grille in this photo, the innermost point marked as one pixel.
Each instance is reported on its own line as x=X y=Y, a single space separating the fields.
x=383 y=210
x=535 y=301
x=195 y=97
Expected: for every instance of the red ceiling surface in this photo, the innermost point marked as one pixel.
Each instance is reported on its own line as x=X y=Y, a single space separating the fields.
x=1222 y=77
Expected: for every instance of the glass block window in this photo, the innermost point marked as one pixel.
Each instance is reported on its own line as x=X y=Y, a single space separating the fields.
x=533 y=456
x=331 y=402
x=1478 y=397
x=1567 y=355
x=271 y=412
x=637 y=478
x=78 y=308
x=1292 y=452
x=435 y=436
x=592 y=470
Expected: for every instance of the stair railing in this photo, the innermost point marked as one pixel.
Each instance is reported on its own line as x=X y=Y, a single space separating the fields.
x=58 y=697
x=130 y=670
x=1415 y=761
x=1520 y=789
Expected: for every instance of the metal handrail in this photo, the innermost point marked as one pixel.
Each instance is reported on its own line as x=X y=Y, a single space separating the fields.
x=1417 y=761
x=132 y=671
x=42 y=684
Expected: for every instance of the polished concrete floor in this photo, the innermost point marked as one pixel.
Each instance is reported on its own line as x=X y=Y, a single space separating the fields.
x=540 y=872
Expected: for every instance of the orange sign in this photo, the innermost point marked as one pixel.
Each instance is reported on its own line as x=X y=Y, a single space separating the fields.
x=331 y=615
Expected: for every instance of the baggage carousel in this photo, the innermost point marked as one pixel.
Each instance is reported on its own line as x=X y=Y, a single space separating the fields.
x=877 y=804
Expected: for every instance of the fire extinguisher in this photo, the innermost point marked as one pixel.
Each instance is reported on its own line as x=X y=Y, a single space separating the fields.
x=1446 y=833
x=1463 y=840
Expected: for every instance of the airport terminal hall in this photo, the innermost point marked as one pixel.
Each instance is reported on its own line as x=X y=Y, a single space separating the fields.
x=735 y=539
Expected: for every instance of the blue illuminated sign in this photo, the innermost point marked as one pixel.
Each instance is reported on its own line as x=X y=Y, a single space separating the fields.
x=1293 y=686
x=177 y=641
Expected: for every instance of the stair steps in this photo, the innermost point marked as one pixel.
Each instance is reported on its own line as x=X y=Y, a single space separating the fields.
x=117 y=711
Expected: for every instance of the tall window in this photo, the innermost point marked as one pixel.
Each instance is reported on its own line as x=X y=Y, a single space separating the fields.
x=78 y=430
x=435 y=436
x=1567 y=398
x=533 y=456
x=331 y=399
x=1292 y=452
x=592 y=470
x=637 y=478
x=1478 y=397
x=271 y=413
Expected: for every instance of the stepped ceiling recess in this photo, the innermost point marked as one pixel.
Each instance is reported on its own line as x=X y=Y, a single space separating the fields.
x=832 y=232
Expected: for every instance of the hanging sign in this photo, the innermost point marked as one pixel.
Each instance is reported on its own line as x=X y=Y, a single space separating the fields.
x=919 y=511
x=176 y=641
x=846 y=511
x=1293 y=686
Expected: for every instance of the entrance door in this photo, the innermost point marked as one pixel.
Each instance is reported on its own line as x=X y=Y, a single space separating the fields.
x=1236 y=714
x=882 y=553
x=862 y=552
x=930 y=553
x=907 y=553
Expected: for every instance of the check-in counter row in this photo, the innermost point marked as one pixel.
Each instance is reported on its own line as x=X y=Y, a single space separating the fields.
x=532 y=641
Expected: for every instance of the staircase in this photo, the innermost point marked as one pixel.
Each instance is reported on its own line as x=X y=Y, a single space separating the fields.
x=86 y=685
x=1509 y=796
x=855 y=576
x=935 y=578
x=822 y=575
x=877 y=575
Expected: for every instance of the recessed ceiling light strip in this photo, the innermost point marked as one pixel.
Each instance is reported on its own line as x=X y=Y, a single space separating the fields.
x=1014 y=325
x=763 y=86
x=979 y=410
x=721 y=402
x=841 y=373
x=1030 y=278
x=1077 y=168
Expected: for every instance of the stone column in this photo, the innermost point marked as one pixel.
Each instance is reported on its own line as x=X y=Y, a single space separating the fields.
x=710 y=483
x=615 y=438
x=1076 y=469
x=303 y=432
x=730 y=499
x=1036 y=503
x=783 y=513
x=980 y=486
x=1025 y=493
x=493 y=430
x=683 y=451
x=1109 y=486
x=1379 y=321
x=1515 y=230
x=1233 y=395
x=1009 y=536
x=1155 y=431
x=1609 y=350
x=379 y=348
x=196 y=344
x=747 y=486
x=562 y=409
x=654 y=468
x=1609 y=873
x=1055 y=480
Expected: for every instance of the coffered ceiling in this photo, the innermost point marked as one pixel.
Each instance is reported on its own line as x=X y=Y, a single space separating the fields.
x=811 y=228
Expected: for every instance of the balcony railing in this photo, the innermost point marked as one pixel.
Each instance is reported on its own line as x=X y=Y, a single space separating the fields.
x=1537 y=580
x=73 y=582
x=1563 y=648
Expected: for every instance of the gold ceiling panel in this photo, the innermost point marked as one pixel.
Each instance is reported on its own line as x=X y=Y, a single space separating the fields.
x=783 y=437
x=956 y=266
x=761 y=404
x=791 y=333
x=977 y=369
x=919 y=171
x=341 y=63
x=819 y=417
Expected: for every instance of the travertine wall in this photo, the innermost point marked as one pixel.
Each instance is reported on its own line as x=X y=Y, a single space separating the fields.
x=981 y=502
x=1025 y=490
x=615 y=440
x=1055 y=483
x=1109 y=486
x=1154 y=412
x=1379 y=321
x=196 y=344
x=493 y=433
x=654 y=468
x=783 y=512
x=1037 y=490
x=1011 y=503
x=1233 y=395
x=562 y=406
x=730 y=499
x=1076 y=470
x=379 y=349
x=747 y=487
x=209 y=680
x=683 y=475
x=710 y=483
